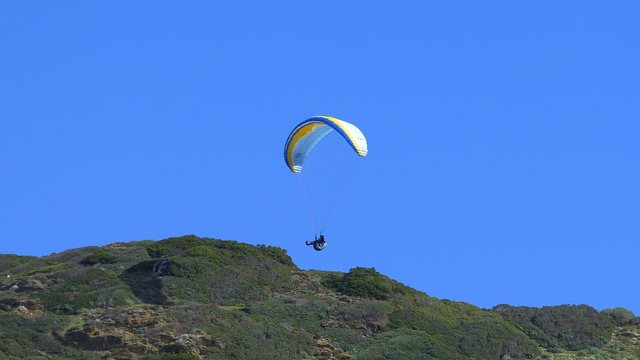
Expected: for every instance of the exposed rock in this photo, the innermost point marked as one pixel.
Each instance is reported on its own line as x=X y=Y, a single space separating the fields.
x=376 y=327
x=627 y=335
x=327 y=350
x=22 y=310
x=124 y=332
x=165 y=337
x=26 y=307
x=132 y=317
x=193 y=344
x=140 y=348
x=28 y=285
x=90 y=337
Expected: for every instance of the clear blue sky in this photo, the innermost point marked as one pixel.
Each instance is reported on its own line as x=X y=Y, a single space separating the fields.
x=503 y=136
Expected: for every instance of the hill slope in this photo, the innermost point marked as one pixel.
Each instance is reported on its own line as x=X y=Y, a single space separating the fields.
x=191 y=298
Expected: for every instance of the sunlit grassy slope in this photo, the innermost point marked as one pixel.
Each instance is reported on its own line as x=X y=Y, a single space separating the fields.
x=197 y=298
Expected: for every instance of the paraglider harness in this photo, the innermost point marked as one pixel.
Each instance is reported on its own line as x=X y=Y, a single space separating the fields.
x=318 y=243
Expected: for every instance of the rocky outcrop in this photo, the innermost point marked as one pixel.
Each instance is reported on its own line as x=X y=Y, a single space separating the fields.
x=30 y=285
x=126 y=332
x=25 y=285
x=193 y=344
x=328 y=350
x=25 y=307
x=91 y=337
x=131 y=318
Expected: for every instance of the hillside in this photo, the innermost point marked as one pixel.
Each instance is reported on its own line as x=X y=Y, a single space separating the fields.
x=197 y=298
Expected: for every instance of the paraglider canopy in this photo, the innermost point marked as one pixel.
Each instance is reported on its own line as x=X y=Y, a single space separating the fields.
x=308 y=133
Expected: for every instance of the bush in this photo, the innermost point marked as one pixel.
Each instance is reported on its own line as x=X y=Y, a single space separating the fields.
x=8 y=262
x=30 y=338
x=70 y=290
x=363 y=282
x=572 y=327
x=278 y=254
x=619 y=315
x=175 y=246
x=210 y=270
x=400 y=344
x=462 y=331
x=178 y=357
x=100 y=256
x=209 y=252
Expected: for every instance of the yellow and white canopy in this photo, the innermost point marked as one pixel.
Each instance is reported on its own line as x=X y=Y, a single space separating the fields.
x=308 y=133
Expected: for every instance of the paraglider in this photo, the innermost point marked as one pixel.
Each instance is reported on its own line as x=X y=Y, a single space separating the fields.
x=306 y=135
x=318 y=243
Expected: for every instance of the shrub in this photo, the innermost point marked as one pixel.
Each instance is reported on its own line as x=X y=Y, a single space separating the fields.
x=189 y=245
x=209 y=252
x=11 y=261
x=619 y=315
x=363 y=282
x=64 y=309
x=178 y=357
x=100 y=256
x=210 y=270
x=572 y=327
x=400 y=344
x=278 y=254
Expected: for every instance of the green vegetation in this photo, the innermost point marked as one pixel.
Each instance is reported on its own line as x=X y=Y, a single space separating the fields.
x=25 y=338
x=217 y=251
x=73 y=289
x=100 y=256
x=178 y=357
x=278 y=254
x=12 y=261
x=400 y=344
x=209 y=270
x=619 y=315
x=624 y=345
x=472 y=332
x=188 y=298
x=364 y=282
x=561 y=327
